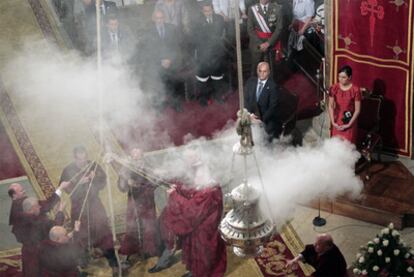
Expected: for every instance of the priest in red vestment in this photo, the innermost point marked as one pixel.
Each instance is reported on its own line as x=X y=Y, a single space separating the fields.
x=193 y=213
x=36 y=226
x=85 y=175
x=141 y=227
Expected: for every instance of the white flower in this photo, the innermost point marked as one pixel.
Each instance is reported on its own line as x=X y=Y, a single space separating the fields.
x=364 y=272
x=375 y=268
x=358 y=255
x=385 y=231
x=387 y=259
x=407 y=255
x=412 y=252
x=385 y=242
x=379 y=252
x=395 y=233
x=356 y=271
x=361 y=260
x=391 y=225
x=410 y=269
x=370 y=250
x=376 y=240
x=396 y=252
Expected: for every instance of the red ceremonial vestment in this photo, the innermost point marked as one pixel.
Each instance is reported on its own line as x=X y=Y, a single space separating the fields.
x=141 y=226
x=345 y=101
x=194 y=216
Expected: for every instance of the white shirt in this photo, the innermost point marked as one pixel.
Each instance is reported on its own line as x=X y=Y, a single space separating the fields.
x=226 y=7
x=263 y=7
x=303 y=9
x=258 y=84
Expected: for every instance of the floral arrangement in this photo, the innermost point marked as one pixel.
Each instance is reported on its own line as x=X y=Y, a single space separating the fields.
x=386 y=255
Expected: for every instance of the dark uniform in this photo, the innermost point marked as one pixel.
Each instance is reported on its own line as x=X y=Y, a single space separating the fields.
x=274 y=21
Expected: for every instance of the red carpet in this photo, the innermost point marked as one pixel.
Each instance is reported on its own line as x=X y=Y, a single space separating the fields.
x=306 y=91
x=198 y=121
x=194 y=120
x=10 y=266
x=273 y=259
x=10 y=166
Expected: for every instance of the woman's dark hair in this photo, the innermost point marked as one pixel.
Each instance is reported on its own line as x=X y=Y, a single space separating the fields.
x=347 y=70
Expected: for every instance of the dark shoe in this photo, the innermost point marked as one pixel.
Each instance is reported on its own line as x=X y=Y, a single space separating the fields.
x=203 y=102
x=178 y=108
x=156 y=268
x=219 y=100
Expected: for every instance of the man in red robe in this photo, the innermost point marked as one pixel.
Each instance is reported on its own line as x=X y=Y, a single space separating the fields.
x=141 y=232
x=36 y=226
x=87 y=179
x=59 y=255
x=193 y=213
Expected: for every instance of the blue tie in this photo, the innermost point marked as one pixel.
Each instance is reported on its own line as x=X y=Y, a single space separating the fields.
x=259 y=90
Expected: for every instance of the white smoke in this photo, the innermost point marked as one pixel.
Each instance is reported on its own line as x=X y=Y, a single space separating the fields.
x=66 y=85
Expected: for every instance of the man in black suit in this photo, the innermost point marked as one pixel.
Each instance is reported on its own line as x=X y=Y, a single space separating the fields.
x=162 y=60
x=116 y=41
x=324 y=256
x=262 y=101
x=210 y=55
x=88 y=22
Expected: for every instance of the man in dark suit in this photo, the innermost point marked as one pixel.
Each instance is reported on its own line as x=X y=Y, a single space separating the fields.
x=324 y=256
x=262 y=100
x=88 y=22
x=162 y=60
x=115 y=40
x=264 y=25
x=208 y=37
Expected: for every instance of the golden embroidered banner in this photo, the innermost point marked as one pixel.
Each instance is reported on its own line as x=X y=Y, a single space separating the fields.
x=375 y=38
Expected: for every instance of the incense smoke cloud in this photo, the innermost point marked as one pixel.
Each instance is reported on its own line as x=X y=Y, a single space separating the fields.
x=43 y=78
x=66 y=84
x=291 y=175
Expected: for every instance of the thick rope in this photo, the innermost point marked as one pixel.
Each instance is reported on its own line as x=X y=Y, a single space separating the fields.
x=87 y=192
x=155 y=180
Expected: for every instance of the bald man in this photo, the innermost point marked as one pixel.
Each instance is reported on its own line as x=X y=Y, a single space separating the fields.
x=262 y=101
x=59 y=255
x=324 y=256
x=18 y=194
x=35 y=227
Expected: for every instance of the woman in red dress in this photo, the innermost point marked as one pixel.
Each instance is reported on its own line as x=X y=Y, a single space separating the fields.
x=344 y=106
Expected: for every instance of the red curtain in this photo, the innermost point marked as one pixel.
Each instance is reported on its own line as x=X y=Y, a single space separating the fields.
x=375 y=37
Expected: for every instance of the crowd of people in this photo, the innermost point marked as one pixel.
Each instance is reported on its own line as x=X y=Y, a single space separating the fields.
x=189 y=221
x=205 y=31
x=187 y=47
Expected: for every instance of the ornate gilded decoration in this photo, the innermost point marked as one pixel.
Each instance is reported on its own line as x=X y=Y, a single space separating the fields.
x=376 y=11
x=398 y=4
x=397 y=50
x=347 y=40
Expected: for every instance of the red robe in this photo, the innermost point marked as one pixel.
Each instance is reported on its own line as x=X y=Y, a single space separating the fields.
x=58 y=259
x=194 y=216
x=345 y=101
x=36 y=230
x=94 y=215
x=140 y=212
